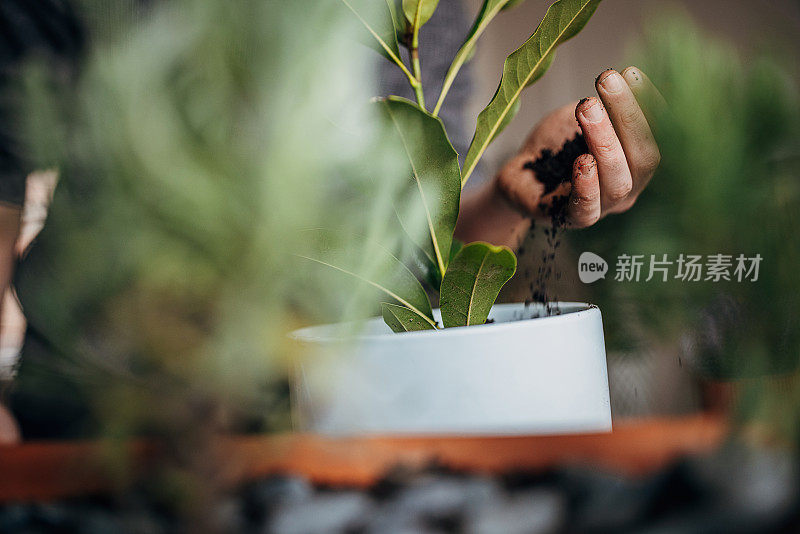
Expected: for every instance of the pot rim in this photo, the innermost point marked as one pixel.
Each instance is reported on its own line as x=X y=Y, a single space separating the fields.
x=327 y=333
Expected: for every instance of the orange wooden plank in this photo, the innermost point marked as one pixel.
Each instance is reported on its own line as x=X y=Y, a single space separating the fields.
x=634 y=448
x=48 y=470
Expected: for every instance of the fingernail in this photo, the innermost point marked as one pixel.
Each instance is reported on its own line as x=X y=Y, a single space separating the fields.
x=584 y=165
x=593 y=112
x=632 y=76
x=613 y=82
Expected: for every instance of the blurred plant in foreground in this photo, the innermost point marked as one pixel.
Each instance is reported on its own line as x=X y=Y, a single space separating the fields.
x=198 y=143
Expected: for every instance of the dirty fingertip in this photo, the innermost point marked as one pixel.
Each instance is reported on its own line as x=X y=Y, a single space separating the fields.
x=584 y=166
x=633 y=76
x=603 y=75
x=589 y=110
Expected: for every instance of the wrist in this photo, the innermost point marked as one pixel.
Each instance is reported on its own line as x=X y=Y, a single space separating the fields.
x=486 y=214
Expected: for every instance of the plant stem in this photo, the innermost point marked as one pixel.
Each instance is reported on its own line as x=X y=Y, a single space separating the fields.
x=461 y=56
x=458 y=61
x=414 y=81
x=414 y=52
x=484 y=18
x=445 y=88
x=418 y=86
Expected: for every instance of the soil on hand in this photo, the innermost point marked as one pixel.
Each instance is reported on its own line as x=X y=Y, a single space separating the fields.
x=553 y=169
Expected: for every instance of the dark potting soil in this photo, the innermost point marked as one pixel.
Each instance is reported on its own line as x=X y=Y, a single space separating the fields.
x=552 y=169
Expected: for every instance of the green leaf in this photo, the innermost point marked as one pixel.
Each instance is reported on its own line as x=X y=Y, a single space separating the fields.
x=378 y=18
x=382 y=270
x=435 y=185
x=401 y=319
x=422 y=8
x=488 y=11
x=472 y=282
x=512 y=3
x=455 y=248
x=398 y=18
x=563 y=20
x=512 y=112
x=426 y=271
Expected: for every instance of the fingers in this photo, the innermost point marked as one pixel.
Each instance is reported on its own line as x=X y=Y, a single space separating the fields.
x=623 y=153
x=631 y=126
x=583 y=208
x=612 y=167
x=647 y=95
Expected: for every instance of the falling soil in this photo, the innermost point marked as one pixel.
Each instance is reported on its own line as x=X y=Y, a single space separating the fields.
x=551 y=169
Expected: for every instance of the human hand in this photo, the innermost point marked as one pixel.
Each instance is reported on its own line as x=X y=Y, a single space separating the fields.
x=623 y=154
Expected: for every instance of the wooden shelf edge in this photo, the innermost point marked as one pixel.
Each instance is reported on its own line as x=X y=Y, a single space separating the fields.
x=52 y=470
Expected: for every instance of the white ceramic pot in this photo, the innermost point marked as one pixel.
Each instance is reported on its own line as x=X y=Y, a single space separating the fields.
x=517 y=375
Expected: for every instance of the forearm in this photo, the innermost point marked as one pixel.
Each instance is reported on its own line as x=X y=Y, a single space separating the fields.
x=486 y=215
x=9 y=231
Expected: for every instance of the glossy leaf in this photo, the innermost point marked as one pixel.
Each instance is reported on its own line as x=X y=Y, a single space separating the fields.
x=378 y=19
x=428 y=272
x=435 y=179
x=563 y=20
x=401 y=319
x=472 y=282
x=422 y=8
x=382 y=270
x=455 y=248
x=398 y=18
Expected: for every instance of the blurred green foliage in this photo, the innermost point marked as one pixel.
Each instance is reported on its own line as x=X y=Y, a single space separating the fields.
x=198 y=142
x=728 y=183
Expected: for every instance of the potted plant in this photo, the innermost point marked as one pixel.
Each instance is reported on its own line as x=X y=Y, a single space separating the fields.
x=197 y=305
x=448 y=371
